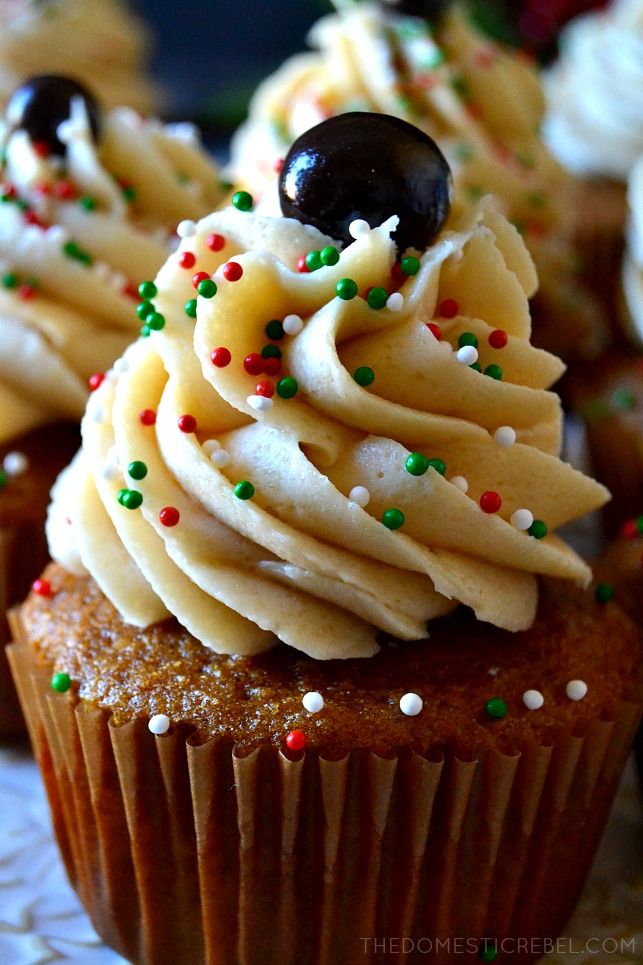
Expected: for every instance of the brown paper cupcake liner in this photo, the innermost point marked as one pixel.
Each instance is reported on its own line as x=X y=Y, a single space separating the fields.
x=186 y=853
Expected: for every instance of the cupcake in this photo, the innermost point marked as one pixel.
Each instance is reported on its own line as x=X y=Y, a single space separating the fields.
x=632 y=272
x=89 y=208
x=252 y=750
x=104 y=45
x=482 y=102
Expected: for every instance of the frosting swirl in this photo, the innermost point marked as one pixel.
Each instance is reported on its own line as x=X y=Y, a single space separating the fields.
x=595 y=121
x=76 y=237
x=318 y=506
x=633 y=261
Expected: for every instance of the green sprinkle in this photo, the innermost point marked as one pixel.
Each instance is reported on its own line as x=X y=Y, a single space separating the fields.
x=147 y=289
x=476 y=367
x=463 y=152
x=61 y=682
x=439 y=465
x=604 y=592
x=623 y=399
x=207 y=288
x=595 y=409
x=242 y=201
x=494 y=372
x=155 y=321
x=536 y=199
x=137 y=470
x=190 y=307
x=364 y=375
x=22 y=204
x=410 y=265
x=274 y=329
x=144 y=310
x=467 y=338
x=461 y=87
x=145 y=331
x=417 y=464
x=329 y=255
x=244 y=490
x=129 y=193
x=346 y=288
x=538 y=529
x=129 y=498
x=488 y=951
x=9 y=280
x=3 y=478
x=287 y=387
x=377 y=298
x=393 y=518
x=436 y=59
x=271 y=352
x=89 y=204
x=73 y=250
x=313 y=260
x=496 y=708
x=639 y=524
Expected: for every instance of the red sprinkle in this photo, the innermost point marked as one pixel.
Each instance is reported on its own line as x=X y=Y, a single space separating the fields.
x=498 y=338
x=296 y=740
x=147 y=417
x=449 y=308
x=131 y=291
x=43 y=188
x=272 y=366
x=279 y=163
x=490 y=502
x=9 y=190
x=220 y=357
x=232 y=271
x=64 y=190
x=187 y=423
x=187 y=259
x=26 y=292
x=435 y=330
x=41 y=148
x=32 y=218
x=169 y=516
x=215 y=242
x=41 y=587
x=199 y=277
x=254 y=364
x=95 y=380
x=397 y=274
x=629 y=529
x=302 y=267
x=265 y=388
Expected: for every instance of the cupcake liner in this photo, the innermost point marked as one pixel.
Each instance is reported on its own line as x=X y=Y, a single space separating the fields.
x=188 y=852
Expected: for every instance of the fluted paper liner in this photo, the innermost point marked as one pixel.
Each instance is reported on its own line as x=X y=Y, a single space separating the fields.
x=186 y=852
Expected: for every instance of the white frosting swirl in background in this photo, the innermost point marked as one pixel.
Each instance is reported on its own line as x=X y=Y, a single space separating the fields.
x=633 y=260
x=595 y=92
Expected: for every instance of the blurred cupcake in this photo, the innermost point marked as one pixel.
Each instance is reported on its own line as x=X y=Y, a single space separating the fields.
x=632 y=272
x=104 y=45
x=481 y=102
x=89 y=206
x=268 y=506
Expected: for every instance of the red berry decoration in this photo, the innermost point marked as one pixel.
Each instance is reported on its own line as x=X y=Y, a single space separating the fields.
x=302 y=267
x=147 y=417
x=95 y=380
x=232 y=271
x=435 y=330
x=215 y=242
x=187 y=259
x=254 y=364
x=187 y=423
x=220 y=357
x=64 y=190
x=265 y=388
x=26 y=292
x=498 y=338
x=448 y=308
x=199 y=277
x=272 y=366
x=296 y=740
x=169 y=516
x=41 y=587
x=490 y=502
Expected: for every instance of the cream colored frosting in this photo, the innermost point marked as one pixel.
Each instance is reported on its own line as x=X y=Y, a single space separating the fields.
x=81 y=316
x=633 y=260
x=595 y=120
x=305 y=559
x=99 y=42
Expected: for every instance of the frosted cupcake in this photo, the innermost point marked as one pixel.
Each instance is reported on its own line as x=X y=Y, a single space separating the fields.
x=481 y=103
x=276 y=491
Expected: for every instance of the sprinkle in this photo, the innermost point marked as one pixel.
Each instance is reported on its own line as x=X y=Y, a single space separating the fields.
x=147 y=417
x=73 y=250
x=15 y=463
x=360 y=495
x=137 y=470
x=287 y=387
x=416 y=464
x=187 y=423
x=346 y=289
x=377 y=298
x=242 y=201
x=296 y=740
x=435 y=330
x=498 y=338
x=220 y=458
x=302 y=267
x=244 y=489
x=538 y=529
x=254 y=363
x=185 y=229
x=190 y=307
x=147 y=290
x=220 y=357
x=490 y=502
x=364 y=375
x=271 y=365
x=121 y=365
x=410 y=265
x=215 y=242
x=274 y=329
x=129 y=498
x=169 y=516
x=467 y=355
x=359 y=228
x=61 y=682
x=604 y=592
x=632 y=528
x=505 y=436
x=210 y=446
x=522 y=519
x=292 y=324
x=393 y=518
x=259 y=402
x=329 y=255
x=187 y=259
x=576 y=689
x=313 y=701
x=207 y=288
x=411 y=705
x=467 y=338
x=496 y=708
x=460 y=483
x=232 y=271
x=488 y=951
x=448 y=308
x=395 y=302
x=198 y=277
x=41 y=587
x=155 y=321
x=159 y=724
x=271 y=352
x=533 y=699
x=313 y=261
x=88 y=203
x=494 y=372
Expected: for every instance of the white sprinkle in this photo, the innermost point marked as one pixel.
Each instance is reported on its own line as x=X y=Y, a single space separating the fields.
x=576 y=689
x=395 y=302
x=533 y=699
x=210 y=446
x=292 y=324
x=185 y=229
x=467 y=355
x=411 y=705
x=505 y=436
x=220 y=458
x=109 y=471
x=493 y=671
x=102 y=270
x=358 y=228
x=98 y=415
x=313 y=701
x=31 y=235
x=65 y=130
x=360 y=495
x=117 y=280
x=522 y=519
x=460 y=483
x=15 y=463
x=121 y=365
x=57 y=234
x=159 y=724
x=183 y=131
x=259 y=402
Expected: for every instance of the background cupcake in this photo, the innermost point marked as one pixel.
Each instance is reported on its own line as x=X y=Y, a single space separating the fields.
x=632 y=277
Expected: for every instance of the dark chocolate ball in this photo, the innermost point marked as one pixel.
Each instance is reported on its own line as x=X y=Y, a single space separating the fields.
x=367 y=166
x=43 y=102
x=429 y=10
